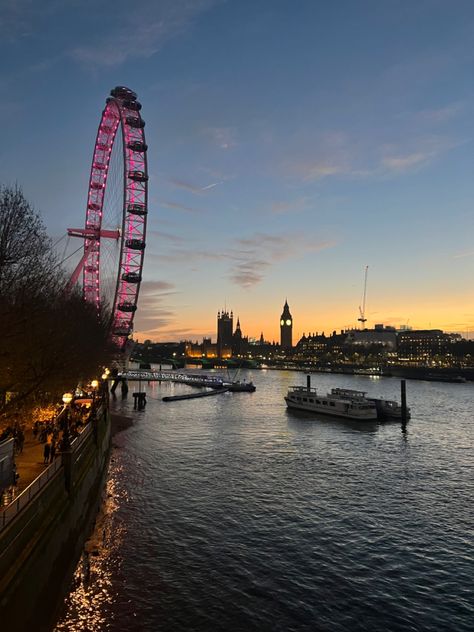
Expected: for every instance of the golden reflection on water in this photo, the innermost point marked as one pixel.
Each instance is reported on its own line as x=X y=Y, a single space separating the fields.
x=88 y=605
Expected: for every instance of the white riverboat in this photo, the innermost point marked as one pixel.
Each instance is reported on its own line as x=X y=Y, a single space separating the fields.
x=307 y=398
x=386 y=408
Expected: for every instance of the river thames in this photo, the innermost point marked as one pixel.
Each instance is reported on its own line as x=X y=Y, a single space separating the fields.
x=233 y=513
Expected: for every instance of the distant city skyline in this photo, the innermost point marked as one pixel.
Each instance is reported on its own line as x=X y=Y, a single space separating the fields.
x=213 y=333
x=290 y=145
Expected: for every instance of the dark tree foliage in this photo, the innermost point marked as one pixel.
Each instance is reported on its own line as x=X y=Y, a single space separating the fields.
x=49 y=340
x=26 y=256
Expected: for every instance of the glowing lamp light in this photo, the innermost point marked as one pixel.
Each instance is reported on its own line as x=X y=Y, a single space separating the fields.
x=67 y=398
x=94 y=384
x=104 y=376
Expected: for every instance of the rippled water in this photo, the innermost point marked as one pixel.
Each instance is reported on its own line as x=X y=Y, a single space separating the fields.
x=233 y=513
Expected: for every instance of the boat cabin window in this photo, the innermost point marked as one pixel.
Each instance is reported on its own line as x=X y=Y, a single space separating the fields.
x=317 y=401
x=311 y=401
x=305 y=399
x=325 y=403
x=332 y=403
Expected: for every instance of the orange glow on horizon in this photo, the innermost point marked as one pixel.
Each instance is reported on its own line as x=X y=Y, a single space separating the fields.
x=450 y=317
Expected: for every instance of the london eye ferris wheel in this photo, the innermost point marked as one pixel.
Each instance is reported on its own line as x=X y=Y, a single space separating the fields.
x=116 y=212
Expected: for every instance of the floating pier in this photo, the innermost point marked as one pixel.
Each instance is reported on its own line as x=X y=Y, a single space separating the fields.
x=175 y=398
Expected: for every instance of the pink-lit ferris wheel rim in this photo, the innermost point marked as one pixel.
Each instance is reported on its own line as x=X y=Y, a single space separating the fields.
x=120 y=122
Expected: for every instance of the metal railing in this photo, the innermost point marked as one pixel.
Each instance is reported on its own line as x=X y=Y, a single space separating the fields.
x=11 y=510
x=15 y=506
x=81 y=437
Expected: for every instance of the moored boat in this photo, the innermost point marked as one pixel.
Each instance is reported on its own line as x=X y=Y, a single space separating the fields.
x=386 y=408
x=307 y=398
x=238 y=386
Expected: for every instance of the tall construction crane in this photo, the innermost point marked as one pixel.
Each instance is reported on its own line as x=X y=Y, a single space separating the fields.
x=362 y=317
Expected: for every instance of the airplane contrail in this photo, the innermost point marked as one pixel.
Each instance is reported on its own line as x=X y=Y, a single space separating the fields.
x=210 y=186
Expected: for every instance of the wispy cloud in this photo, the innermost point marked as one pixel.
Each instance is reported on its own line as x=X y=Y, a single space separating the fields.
x=461 y=255
x=441 y=114
x=255 y=255
x=346 y=159
x=193 y=188
x=290 y=206
x=171 y=237
x=223 y=137
x=16 y=18
x=152 y=287
x=423 y=151
x=141 y=33
x=179 y=207
x=249 y=273
x=250 y=258
x=153 y=313
x=189 y=255
x=402 y=163
x=320 y=169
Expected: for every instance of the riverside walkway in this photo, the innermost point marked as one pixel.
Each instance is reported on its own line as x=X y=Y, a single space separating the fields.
x=29 y=463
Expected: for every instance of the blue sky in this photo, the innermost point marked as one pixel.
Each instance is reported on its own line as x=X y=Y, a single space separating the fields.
x=291 y=143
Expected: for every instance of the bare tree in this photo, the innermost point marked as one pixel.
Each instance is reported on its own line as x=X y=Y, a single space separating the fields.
x=26 y=256
x=50 y=339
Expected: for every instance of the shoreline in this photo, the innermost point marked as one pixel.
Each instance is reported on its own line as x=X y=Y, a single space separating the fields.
x=119 y=423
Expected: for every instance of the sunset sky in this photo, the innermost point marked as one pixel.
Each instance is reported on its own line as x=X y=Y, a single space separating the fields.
x=291 y=143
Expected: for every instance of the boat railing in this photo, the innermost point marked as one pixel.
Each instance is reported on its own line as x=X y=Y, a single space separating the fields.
x=302 y=389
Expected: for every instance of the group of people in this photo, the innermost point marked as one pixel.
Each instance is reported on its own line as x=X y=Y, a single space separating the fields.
x=51 y=432
x=16 y=433
x=48 y=432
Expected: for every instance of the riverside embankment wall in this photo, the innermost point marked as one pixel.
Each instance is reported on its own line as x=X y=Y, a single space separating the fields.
x=40 y=547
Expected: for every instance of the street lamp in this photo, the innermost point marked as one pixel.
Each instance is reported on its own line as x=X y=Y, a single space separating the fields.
x=66 y=454
x=95 y=386
x=67 y=399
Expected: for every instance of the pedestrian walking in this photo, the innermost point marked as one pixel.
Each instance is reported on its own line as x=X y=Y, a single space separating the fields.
x=46 y=452
x=52 y=452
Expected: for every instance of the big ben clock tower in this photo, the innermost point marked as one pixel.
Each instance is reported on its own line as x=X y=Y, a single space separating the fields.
x=286 y=328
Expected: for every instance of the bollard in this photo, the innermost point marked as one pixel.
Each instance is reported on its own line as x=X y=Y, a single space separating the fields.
x=404 y=400
x=139 y=400
x=124 y=387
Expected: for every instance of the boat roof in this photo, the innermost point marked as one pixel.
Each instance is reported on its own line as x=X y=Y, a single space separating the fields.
x=348 y=392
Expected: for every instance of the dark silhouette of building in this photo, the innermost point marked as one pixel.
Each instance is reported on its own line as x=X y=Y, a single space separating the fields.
x=286 y=328
x=238 y=342
x=225 y=329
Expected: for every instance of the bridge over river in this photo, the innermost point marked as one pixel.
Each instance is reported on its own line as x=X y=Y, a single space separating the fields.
x=212 y=381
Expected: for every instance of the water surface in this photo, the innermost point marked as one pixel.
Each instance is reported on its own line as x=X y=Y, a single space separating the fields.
x=233 y=513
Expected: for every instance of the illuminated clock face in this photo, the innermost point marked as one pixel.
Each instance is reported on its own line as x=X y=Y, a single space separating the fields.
x=288 y=322
x=282 y=322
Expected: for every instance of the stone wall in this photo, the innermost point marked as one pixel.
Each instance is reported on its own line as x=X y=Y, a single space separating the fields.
x=40 y=548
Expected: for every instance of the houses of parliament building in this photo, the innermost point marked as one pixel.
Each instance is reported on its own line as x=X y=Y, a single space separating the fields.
x=231 y=343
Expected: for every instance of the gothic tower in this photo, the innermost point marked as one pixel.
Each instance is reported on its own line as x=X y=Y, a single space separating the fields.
x=237 y=340
x=286 y=328
x=224 y=332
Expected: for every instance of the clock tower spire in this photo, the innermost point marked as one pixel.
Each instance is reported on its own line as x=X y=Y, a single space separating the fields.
x=286 y=328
